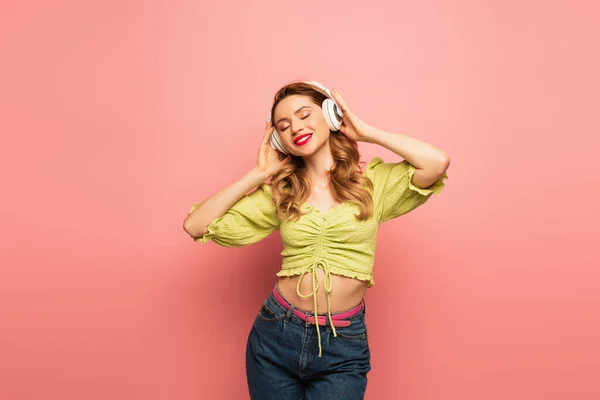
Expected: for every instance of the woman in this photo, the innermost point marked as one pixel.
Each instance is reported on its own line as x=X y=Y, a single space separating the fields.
x=328 y=211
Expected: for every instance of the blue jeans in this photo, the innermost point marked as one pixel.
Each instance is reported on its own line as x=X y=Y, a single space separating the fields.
x=282 y=357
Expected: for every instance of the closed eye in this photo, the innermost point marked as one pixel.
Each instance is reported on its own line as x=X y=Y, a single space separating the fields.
x=302 y=118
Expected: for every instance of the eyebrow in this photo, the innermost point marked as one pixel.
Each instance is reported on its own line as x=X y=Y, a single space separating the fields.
x=295 y=112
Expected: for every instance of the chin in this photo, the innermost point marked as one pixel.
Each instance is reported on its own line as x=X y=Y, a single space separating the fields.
x=306 y=150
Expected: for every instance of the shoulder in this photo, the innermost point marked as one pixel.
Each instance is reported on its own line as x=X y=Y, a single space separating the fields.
x=377 y=168
x=377 y=164
x=384 y=173
x=262 y=194
x=265 y=187
x=370 y=169
x=372 y=163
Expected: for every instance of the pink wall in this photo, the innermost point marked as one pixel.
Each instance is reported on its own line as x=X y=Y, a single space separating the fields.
x=116 y=116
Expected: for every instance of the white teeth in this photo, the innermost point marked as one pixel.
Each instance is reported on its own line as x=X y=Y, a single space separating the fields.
x=304 y=139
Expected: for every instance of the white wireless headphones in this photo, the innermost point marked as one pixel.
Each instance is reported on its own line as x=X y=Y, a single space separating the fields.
x=333 y=116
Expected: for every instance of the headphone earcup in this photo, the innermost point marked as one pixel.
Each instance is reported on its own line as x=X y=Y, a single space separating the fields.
x=276 y=143
x=333 y=114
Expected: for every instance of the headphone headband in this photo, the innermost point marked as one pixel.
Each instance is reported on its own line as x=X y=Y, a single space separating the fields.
x=316 y=85
x=319 y=86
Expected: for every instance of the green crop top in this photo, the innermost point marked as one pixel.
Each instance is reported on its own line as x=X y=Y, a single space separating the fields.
x=334 y=241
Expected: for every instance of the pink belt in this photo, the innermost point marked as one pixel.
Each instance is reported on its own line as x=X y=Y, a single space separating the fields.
x=338 y=319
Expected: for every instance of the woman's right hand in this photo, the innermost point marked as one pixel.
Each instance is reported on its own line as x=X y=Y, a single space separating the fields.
x=270 y=161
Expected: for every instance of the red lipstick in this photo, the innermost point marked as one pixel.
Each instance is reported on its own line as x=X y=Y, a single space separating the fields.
x=303 y=139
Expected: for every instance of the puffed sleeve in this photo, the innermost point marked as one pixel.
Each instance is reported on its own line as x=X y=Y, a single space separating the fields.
x=394 y=194
x=251 y=219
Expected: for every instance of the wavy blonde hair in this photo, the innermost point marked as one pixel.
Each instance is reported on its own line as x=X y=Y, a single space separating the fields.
x=291 y=185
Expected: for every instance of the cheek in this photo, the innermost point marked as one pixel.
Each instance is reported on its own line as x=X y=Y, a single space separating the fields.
x=323 y=128
x=323 y=124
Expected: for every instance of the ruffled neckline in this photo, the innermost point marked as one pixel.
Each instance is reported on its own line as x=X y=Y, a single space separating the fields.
x=336 y=208
x=308 y=206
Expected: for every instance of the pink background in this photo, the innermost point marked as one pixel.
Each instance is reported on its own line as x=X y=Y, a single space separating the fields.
x=116 y=116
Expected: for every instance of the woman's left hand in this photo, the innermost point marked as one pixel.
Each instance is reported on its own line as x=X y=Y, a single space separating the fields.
x=352 y=126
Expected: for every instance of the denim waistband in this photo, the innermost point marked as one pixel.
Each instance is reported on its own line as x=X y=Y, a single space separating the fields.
x=280 y=309
x=276 y=306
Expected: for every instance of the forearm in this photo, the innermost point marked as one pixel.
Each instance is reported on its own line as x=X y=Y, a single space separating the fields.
x=196 y=223
x=417 y=152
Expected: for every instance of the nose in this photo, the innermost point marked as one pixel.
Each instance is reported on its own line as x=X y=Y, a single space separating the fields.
x=297 y=126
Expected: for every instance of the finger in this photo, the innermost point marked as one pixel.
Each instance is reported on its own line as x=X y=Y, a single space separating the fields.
x=266 y=137
x=340 y=101
x=268 y=128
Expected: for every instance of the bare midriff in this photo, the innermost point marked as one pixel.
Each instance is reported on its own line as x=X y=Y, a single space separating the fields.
x=346 y=292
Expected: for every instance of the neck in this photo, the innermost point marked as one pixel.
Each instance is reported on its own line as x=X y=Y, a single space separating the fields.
x=319 y=164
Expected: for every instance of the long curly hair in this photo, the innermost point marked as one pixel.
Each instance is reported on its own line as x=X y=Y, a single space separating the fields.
x=291 y=185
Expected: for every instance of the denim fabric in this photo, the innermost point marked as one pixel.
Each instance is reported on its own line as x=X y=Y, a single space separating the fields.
x=282 y=357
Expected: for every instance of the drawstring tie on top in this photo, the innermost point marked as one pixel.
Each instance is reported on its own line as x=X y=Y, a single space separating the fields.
x=324 y=265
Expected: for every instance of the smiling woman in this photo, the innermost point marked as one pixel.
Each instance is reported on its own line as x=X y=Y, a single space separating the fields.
x=328 y=210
